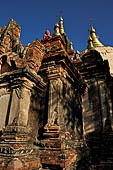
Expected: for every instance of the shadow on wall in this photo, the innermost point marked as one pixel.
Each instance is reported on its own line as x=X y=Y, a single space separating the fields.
x=97 y=109
x=37 y=114
x=72 y=110
x=97 y=127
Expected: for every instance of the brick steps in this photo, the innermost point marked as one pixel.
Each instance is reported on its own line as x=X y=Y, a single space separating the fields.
x=53 y=152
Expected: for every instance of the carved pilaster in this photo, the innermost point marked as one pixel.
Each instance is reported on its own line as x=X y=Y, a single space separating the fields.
x=16 y=145
x=53 y=94
x=53 y=103
x=17 y=115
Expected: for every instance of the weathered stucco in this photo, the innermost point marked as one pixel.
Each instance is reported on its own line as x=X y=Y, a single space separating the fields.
x=107 y=54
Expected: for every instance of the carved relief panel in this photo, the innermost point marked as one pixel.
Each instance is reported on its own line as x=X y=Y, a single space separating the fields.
x=64 y=107
x=53 y=105
x=71 y=110
x=96 y=107
x=4 y=107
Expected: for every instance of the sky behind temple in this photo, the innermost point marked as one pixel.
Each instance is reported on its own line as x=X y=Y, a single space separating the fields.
x=35 y=16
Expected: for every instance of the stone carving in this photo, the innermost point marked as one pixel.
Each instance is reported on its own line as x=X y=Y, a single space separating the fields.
x=78 y=129
x=54 y=118
x=18 y=92
x=6 y=150
x=4 y=91
x=47 y=35
x=13 y=54
x=7 y=44
x=15 y=163
x=14 y=122
x=9 y=150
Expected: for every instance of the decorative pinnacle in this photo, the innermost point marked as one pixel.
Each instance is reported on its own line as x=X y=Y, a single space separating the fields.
x=93 y=39
x=71 y=46
x=90 y=44
x=61 y=24
x=56 y=28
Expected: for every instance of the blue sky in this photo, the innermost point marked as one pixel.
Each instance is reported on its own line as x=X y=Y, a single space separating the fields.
x=35 y=16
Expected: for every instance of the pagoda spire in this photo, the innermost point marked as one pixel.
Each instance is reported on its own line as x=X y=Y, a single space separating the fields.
x=95 y=41
x=90 y=44
x=56 y=28
x=61 y=26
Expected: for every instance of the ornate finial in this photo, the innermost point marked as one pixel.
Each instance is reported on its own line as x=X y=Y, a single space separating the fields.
x=92 y=30
x=56 y=28
x=90 y=44
x=11 y=19
x=91 y=25
x=61 y=24
x=71 y=46
x=95 y=41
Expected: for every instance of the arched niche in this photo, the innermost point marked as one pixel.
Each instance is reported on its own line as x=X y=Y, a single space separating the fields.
x=5 y=65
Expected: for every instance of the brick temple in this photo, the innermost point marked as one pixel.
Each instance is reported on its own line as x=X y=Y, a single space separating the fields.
x=56 y=104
